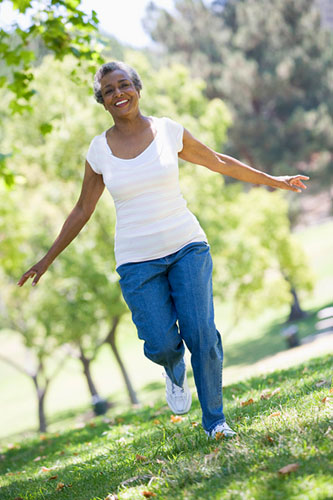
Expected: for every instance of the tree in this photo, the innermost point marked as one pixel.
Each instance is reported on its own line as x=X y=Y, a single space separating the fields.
x=271 y=62
x=57 y=27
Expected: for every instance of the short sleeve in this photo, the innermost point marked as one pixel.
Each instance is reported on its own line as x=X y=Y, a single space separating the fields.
x=175 y=132
x=92 y=157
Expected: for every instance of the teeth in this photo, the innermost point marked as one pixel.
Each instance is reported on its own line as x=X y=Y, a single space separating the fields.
x=120 y=102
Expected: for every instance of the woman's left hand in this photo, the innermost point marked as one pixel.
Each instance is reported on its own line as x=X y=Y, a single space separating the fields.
x=292 y=182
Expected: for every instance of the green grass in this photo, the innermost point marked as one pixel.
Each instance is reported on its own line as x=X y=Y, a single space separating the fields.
x=180 y=462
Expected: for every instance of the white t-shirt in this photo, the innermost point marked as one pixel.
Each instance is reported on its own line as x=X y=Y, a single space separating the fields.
x=153 y=220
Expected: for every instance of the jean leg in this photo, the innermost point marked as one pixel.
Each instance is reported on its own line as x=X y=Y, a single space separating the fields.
x=190 y=278
x=146 y=291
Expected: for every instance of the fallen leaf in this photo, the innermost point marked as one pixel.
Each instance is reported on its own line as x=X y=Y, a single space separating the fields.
x=248 y=402
x=156 y=422
x=12 y=446
x=46 y=469
x=42 y=437
x=113 y=496
x=176 y=418
x=148 y=494
x=60 y=486
x=269 y=438
x=195 y=424
x=158 y=461
x=275 y=414
x=37 y=459
x=61 y=452
x=134 y=479
x=288 y=468
x=211 y=456
x=141 y=458
x=320 y=383
x=219 y=435
x=268 y=395
x=53 y=477
x=119 y=420
x=325 y=400
x=75 y=453
x=18 y=498
x=92 y=424
x=331 y=389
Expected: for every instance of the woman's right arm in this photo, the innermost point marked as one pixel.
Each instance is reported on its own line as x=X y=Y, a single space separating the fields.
x=92 y=189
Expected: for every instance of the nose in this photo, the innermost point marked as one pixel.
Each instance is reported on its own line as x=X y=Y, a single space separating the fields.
x=117 y=92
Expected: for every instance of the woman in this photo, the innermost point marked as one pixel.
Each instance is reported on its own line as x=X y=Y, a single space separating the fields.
x=162 y=253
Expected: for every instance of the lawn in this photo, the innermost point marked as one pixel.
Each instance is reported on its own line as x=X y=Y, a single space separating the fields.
x=282 y=419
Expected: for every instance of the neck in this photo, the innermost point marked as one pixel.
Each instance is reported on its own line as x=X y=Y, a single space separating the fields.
x=129 y=124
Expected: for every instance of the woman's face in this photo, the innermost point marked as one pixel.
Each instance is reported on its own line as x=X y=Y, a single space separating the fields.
x=119 y=93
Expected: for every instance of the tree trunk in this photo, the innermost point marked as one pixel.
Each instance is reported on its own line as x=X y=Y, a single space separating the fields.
x=41 y=411
x=111 y=340
x=41 y=393
x=87 y=372
x=296 y=312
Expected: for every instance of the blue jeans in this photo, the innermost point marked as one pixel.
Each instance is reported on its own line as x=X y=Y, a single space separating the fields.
x=171 y=300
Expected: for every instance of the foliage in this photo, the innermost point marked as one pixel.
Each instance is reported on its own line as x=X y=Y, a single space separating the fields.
x=271 y=62
x=63 y=28
x=57 y=27
x=282 y=418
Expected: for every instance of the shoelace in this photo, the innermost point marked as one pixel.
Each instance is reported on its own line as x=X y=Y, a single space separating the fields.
x=173 y=388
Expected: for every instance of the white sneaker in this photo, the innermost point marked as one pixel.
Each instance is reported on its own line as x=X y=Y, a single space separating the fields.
x=223 y=429
x=178 y=398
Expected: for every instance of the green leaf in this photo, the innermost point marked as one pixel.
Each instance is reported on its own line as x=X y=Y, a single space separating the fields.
x=94 y=16
x=5 y=173
x=45 y=128
x=21 y=5
x=3 y=80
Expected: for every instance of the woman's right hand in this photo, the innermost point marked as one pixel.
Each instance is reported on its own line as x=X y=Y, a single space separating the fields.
x=35 y=272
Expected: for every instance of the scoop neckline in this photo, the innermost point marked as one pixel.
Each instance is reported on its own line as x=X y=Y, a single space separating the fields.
x=128 y=160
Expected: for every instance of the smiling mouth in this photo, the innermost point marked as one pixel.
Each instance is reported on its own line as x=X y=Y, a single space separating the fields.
x=122 y=103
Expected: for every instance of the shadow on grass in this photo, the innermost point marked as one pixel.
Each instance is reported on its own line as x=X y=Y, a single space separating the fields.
x=272 y=342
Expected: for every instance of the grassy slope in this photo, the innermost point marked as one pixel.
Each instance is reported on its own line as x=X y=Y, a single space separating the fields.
x=180 y=463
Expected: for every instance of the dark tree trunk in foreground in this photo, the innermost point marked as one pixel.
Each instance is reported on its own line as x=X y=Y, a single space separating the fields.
x=111 y=340
x=296 y=312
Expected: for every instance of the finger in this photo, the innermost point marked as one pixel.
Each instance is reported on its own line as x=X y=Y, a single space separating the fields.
x=292 y=187
x=35 y=281
x=25 y=276
x=297 y=182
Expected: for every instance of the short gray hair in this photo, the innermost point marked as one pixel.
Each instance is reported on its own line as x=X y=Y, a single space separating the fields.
x=108 y=68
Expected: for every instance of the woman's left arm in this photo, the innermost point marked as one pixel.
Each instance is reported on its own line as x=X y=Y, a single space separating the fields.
x=195 y=151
